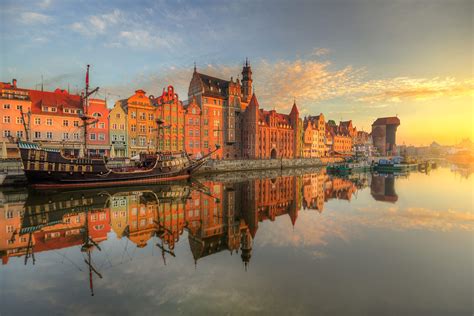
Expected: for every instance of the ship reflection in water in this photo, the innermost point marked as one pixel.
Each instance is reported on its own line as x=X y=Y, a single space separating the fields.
x=208 y=217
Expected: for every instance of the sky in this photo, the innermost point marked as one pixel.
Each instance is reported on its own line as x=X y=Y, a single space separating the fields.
x=347 y=59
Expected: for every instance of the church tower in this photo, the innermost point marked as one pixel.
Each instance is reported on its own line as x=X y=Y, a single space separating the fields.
x=246 y=82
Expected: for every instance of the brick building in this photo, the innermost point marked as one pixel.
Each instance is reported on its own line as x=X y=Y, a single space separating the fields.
x=268 y=134
x=384 y=131
x=192 y=129
x=221 y=103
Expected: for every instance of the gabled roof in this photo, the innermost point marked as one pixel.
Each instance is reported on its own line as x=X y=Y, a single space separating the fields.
x=392 y=120
x=253 y=101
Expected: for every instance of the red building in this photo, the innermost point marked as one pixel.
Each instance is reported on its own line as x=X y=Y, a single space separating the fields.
x=192 y=129
x=98 y=142
x=268 y=134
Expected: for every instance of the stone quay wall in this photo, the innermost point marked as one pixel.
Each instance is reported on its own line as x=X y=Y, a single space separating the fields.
x=218 y=166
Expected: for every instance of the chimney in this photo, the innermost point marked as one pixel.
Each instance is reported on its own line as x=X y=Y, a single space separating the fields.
x=14 y=83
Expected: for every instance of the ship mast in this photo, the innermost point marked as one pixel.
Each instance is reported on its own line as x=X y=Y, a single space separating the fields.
x=85 y=106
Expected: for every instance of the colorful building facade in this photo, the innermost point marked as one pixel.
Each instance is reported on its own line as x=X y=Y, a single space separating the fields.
x=314 y=139
x=98 y=138
x=13 y=101
x=118 y=129
x=268 y=134
x=171 y=113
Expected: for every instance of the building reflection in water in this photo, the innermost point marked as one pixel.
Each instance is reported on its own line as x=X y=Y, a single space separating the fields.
x=218 y=216
x=382 y=188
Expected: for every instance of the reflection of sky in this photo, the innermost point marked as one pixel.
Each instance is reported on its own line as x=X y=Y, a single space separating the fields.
x=363 y=257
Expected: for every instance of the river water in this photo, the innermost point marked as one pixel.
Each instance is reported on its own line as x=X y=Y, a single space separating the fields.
x=278 y=244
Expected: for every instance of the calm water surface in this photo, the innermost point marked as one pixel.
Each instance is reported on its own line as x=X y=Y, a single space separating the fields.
x=290 y=245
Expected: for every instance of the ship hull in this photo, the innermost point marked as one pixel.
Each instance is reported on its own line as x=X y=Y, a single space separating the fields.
x=49 y=169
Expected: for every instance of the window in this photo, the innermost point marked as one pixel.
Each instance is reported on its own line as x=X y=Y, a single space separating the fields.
x=49 y=135
x=6 y=106
x=37 y=134
x=191 y=132
x=6 y=133
x=10 y=229
x=206 y=144
x=76 y=123
x=114 y=137
x=19 y=107
x=101 y=136
x=191 y=144
x=114 y=126
x=66 y=110
x=53 y=109
x=134 y=128
x=9 y=214
x=122 y=138
x=102 y=125
x=49 y=122
x=6 y=119
x=151 y=117
x=122 y=126
x=97 y=114
x=143 y=128
x=193 y=111
x=190 y=121
x=76 y=136
x=206 y=132
x=19 y=134
x=117 y=115
x=65 y=135
x=92 y=136
x=19 y=120
x=134 y=114
x=206 y=122
x=142 y=116
x=65 y=123
x=142 y=141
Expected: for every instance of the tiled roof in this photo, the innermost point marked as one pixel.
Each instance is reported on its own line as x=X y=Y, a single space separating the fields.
x=58 y=98
x=214 y=86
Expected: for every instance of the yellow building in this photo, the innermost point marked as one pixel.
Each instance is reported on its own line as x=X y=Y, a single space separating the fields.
x=118 y=129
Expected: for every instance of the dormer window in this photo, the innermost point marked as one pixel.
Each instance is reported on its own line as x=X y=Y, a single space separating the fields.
x=66 y=110
x=44 y=109
x=97 y=114
x=53 y=109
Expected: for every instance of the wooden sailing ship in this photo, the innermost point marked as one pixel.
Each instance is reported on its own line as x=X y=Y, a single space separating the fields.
x=47 y=168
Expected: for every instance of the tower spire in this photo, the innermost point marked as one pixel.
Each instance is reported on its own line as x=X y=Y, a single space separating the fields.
x=194 y=66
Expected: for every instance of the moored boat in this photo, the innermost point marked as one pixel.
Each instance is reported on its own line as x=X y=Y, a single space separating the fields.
x=49 y=168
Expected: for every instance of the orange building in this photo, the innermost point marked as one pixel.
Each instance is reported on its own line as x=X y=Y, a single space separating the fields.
x=268 y=134
x=339 y=138
x=141 y=123
x=55 y=119
x=172 y=113
x=314 y=139
x=13 y=101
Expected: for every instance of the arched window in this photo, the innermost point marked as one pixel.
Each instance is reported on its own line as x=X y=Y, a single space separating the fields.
x=97 y=114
